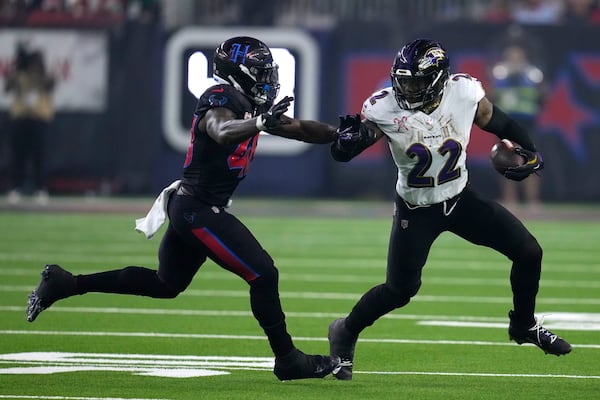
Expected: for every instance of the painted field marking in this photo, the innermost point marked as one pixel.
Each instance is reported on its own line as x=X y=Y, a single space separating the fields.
x=288 y=265
x=583 y=317
x=568 y=282
x=184 y=366
x=555 y=320
x=355 y=296
x=479 y=374
x=17 y=396
x=262 y=338
x=165 y=366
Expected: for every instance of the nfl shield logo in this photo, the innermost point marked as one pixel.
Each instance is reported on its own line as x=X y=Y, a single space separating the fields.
x=403 y=223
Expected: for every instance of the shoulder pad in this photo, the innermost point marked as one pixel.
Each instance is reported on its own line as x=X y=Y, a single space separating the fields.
x=225 y=96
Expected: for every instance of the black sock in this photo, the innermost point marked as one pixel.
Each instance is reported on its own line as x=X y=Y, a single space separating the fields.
x=279 y=339
x=266 y=307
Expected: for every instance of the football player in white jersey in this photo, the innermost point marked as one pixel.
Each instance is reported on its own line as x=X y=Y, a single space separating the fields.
x=426 y=117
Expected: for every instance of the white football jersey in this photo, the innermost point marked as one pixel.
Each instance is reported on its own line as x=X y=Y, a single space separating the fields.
x=430 y=150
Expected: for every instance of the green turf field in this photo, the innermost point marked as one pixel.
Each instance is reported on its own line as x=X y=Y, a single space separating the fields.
x=451 y=342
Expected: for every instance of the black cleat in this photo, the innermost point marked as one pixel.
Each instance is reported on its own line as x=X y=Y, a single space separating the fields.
x=298 y=365
x=540 y=336
x=56 y=284
x=341 y=344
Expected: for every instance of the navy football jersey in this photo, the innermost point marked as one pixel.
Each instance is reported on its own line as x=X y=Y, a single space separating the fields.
x=212 y=171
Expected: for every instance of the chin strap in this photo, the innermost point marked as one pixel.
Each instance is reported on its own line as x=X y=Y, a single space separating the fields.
x=428 y=109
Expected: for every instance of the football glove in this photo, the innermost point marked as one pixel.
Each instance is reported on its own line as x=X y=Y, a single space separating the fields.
x=272 y=118
x=349 y=133
x=533 y=164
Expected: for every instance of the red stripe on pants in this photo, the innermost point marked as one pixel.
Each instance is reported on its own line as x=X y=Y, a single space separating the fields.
x=223 y=253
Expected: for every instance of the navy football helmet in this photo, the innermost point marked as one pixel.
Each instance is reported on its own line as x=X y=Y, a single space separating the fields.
x=247 y=64
x=419 y=74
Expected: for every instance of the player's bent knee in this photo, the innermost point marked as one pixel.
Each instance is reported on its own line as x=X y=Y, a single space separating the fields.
x=170 y=293
x=268 y=278
x=166 y=291
x=530 y=252
x=400 y=296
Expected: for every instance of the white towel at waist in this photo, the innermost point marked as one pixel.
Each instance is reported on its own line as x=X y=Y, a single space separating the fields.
x=157 y=215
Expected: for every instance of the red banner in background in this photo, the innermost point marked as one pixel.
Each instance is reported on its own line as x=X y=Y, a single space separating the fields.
x=364 y=75
x=481 y=142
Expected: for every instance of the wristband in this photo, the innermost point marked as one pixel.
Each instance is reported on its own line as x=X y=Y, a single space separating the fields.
x=259 y=123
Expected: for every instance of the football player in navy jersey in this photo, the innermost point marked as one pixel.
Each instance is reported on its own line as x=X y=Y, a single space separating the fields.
x=426 y=117
x=224 y=135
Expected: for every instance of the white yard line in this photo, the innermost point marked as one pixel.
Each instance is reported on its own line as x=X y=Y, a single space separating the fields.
x=560 y=325
x=16 y=396
x=356 y=296
x=549 y=316
x=262 y=338
x=374 y=279
x=175 y=366
x=479 y=374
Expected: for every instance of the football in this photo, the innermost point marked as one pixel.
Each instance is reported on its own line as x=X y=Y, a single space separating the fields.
x=503 y=156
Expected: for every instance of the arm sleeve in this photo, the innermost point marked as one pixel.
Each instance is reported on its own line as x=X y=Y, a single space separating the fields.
x=505 y=127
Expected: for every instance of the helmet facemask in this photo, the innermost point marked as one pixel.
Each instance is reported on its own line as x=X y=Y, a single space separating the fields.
x=416 y=92
x=266 y=86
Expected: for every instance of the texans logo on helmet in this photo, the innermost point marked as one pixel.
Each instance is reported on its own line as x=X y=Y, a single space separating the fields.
x=237 y=51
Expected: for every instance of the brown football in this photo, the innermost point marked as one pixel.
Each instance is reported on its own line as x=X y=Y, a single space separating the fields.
x=503 y=156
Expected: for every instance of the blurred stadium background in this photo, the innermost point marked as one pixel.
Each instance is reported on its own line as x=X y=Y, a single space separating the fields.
x=127 y=72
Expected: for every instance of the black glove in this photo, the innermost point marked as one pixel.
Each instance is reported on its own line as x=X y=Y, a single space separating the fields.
x=349 y=134
x=272 y=118
x=534 y=163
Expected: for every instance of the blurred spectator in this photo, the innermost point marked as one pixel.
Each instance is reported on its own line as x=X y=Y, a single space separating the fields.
x=259 y=16
x=16 y=10
x=537 y=11
x=517 y=88
x=144 y=11
x=581 y=12
x=498 y=11
x=30 y=114
x=84 y=13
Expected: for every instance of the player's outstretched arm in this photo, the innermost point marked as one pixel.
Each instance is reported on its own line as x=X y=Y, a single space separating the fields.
x=276 y=123
x=353 y=136
x=223 y=126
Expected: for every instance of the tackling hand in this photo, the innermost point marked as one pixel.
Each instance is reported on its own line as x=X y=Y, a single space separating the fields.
x=533 y=164
x=272 y=118
x=349 y=133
